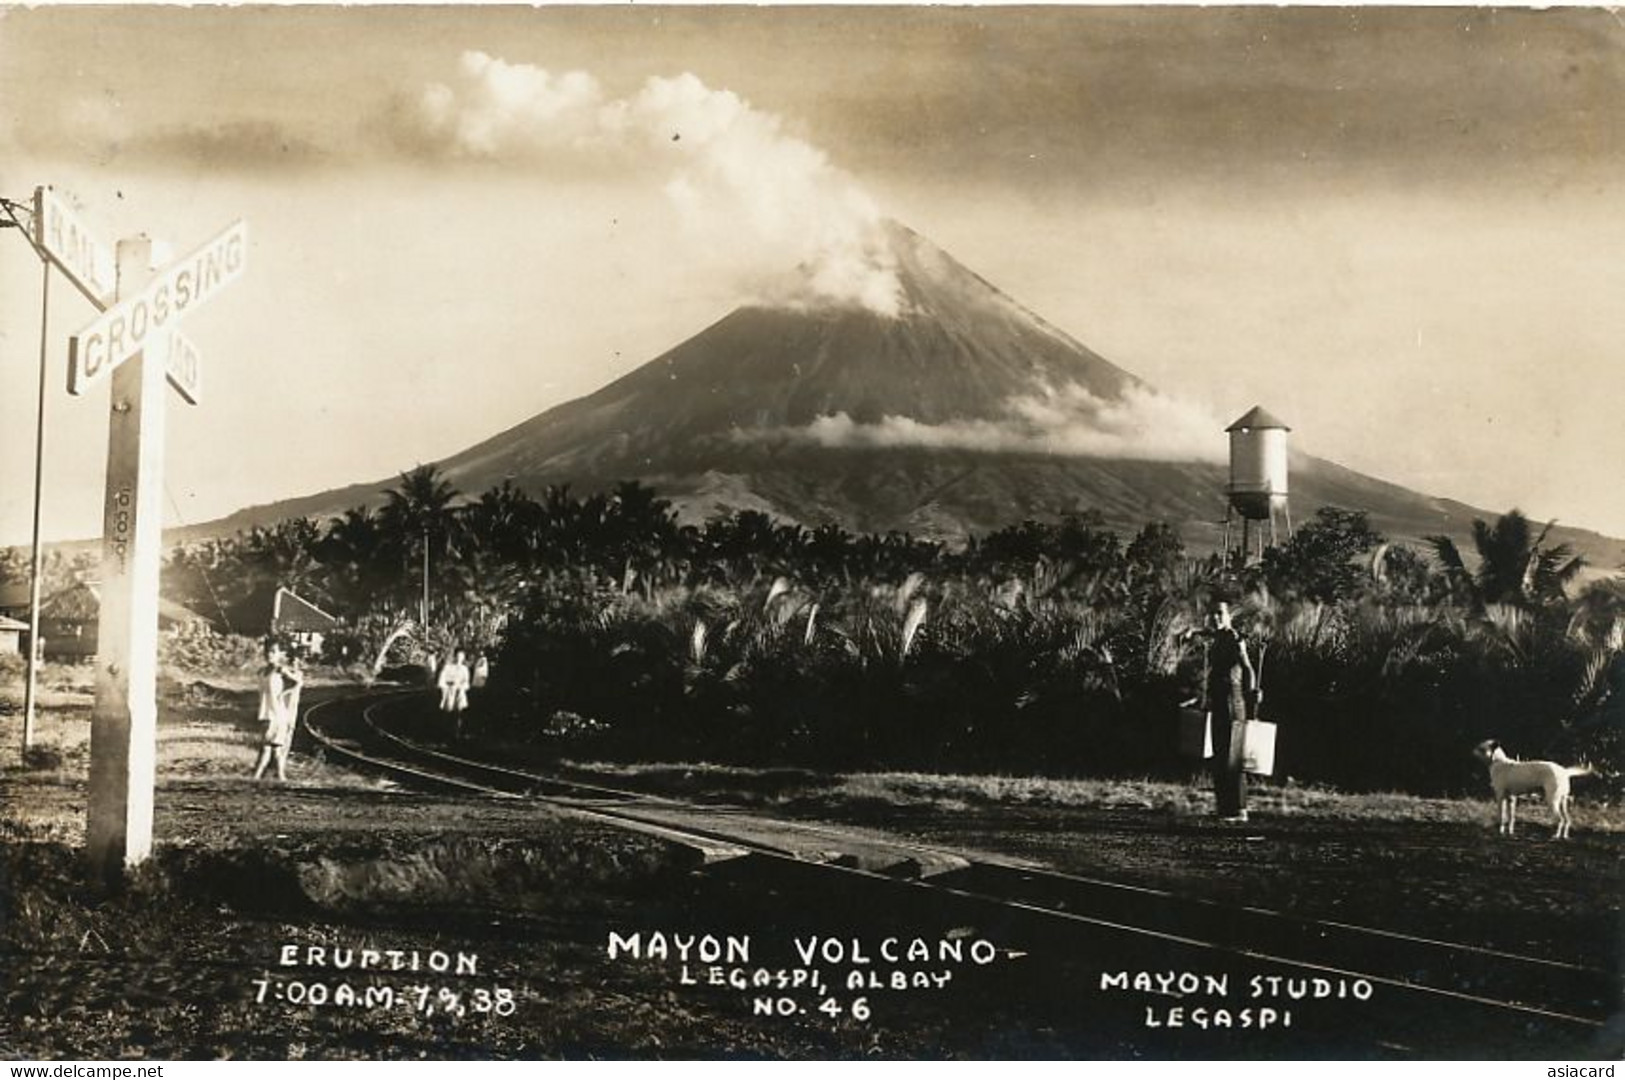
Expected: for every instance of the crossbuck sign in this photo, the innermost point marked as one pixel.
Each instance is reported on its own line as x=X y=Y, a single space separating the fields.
x=89 y=265
x=128 y=326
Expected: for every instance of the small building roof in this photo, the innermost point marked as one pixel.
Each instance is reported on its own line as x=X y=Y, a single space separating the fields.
x=292 y=613
x=82 y=602
x=1257 y=417
x=7 y=623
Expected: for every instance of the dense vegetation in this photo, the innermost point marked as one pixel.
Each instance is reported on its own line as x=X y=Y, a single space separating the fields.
x=1043 y=647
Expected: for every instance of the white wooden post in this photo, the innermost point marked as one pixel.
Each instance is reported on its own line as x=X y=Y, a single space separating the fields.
x=123 y=738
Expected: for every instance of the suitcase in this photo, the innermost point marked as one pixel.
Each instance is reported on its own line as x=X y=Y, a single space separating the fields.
x=1258 y=747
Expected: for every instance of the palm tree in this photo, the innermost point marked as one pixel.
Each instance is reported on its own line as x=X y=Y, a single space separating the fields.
x=1599 y=615
x=644 y=536
x=1514 y=567
x=418 y=518
x=287 y=551
x=351 y=550
x=1597 y=628
x=742 y=545
x=503 y=524
x=420 y=503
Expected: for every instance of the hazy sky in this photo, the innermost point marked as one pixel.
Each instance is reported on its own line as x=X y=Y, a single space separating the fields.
x=1402 y=230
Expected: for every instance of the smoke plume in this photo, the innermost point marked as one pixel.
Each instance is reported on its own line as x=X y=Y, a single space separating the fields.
x=731 y=170
x=1070 y=421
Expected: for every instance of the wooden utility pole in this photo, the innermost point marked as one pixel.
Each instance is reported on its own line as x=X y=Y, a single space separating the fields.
x=37 y=556
x=123 y=734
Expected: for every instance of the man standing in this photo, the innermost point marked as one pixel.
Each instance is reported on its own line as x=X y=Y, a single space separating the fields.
x=1231 y=682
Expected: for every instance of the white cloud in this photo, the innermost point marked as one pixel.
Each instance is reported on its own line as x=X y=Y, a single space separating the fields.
x=1070 y=421
x=729 y=169
x=499 y=109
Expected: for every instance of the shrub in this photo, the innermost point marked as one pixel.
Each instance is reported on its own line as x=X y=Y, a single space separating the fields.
x=201 y=651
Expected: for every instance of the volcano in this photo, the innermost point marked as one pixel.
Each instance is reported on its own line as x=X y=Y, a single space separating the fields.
x=959 y=413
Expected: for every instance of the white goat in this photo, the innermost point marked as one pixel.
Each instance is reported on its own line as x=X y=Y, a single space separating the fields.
x=1510 y=778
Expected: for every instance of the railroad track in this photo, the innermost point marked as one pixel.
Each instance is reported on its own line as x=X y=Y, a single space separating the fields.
x=1121 y=920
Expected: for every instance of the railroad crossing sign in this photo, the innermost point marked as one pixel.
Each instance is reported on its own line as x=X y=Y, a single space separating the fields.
x=139 y=310
x=89 y=265
x=125 y=328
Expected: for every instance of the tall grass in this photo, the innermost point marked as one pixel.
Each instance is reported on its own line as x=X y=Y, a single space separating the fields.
x=1044 y=673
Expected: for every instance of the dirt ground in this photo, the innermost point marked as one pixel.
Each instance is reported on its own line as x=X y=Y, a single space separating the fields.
x=189 y=961
x=1442 y=881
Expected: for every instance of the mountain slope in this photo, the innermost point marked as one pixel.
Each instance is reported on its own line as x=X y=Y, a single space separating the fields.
x=949 y=419
x=960 y=350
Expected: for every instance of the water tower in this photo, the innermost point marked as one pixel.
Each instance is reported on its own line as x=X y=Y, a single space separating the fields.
x=1257 y=491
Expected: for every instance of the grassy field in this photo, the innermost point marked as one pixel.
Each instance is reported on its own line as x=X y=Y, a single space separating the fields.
x=206 y=729
x=810 y=792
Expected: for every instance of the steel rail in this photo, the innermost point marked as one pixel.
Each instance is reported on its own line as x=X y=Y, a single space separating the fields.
x=1302 y=921
x=613 y=815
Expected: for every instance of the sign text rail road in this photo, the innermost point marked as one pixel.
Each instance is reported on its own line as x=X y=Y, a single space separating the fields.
x=89 y=265
x=86 y=261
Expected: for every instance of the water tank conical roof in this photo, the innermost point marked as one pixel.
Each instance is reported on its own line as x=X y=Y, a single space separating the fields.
x=1257 y=418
